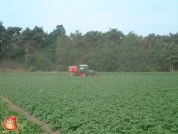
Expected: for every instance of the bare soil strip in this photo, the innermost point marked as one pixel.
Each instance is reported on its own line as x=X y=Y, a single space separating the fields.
x=45 y=127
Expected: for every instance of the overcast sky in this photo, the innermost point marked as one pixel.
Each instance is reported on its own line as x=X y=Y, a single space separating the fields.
x=139 y=16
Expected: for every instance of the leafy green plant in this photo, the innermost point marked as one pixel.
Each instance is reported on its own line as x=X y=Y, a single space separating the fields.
x=111 y=103
x=31 y=69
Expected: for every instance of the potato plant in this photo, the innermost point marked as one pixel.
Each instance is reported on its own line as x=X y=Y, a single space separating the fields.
x=110 y=103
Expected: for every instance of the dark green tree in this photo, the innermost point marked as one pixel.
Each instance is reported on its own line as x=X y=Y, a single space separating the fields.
x=113 y=37
x=131 y=54
x=169 y=52
x=92 y=39
x=2 y=29
x=9 y=38
x=78 y=48
x=38 y=36
x=63 y=50
x=149 y=42
x=28 y=43
x=105 y=58
x=154 y=60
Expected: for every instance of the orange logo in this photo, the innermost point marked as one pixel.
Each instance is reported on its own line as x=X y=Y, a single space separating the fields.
x=10 y=124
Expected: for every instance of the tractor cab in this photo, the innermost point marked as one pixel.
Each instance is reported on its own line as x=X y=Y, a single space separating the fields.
x=83 y=67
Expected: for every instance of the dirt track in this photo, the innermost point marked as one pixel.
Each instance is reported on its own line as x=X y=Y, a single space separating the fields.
x=45 y=127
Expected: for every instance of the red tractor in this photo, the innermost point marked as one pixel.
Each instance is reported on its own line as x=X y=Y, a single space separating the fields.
x=82 y=70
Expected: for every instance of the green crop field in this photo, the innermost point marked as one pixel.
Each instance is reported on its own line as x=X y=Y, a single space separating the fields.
x=110 y=103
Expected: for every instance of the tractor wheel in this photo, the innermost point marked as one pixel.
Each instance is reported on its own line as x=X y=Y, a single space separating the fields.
x=94 y=74
x=82 y=73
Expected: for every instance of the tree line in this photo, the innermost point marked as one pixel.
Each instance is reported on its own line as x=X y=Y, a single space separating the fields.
x=35 y=50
